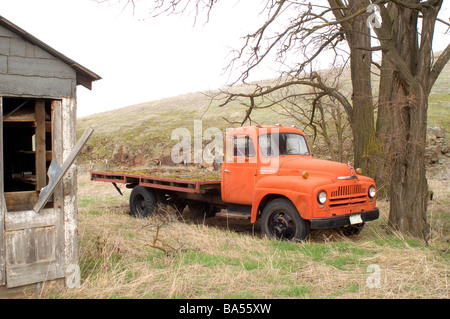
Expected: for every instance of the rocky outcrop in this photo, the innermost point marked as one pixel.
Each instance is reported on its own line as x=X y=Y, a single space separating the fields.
x=437 y=147
x=437 y=154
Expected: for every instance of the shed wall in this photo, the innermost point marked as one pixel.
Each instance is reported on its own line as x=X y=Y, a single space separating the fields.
x=27 y=70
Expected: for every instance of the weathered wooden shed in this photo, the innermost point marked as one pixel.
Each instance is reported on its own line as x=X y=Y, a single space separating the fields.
x=38 y=107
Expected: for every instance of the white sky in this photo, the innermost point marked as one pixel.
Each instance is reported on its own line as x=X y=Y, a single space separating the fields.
x=141 y=61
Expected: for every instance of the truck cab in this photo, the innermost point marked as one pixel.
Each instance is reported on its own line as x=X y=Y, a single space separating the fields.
x=270 y=171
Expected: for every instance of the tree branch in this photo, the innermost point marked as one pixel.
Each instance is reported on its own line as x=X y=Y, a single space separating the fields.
x=314 y=81
x=416 y=6
x=388 y=46
x=438 y=66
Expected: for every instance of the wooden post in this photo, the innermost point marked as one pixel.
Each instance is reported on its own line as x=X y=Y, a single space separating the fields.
x=41 y=169
x=58 y=197
x=69 y=138
x=2 y=204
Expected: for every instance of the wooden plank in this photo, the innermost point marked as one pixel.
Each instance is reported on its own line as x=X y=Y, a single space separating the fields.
x=2 y=236
x=2 y=205
x=171 y=188
x=58 y=195
x=182 y=185
x=45 y=240
x=16 y=242
x=57 y=173
x=41 y=168
x=24 y=274
x=31 y=247
x=26 y=117
x=19 y=201
x=29 y=219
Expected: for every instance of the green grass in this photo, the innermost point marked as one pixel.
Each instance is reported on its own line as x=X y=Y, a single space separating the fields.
x=208 y=260
x=395 y=242
x=300 y=291
x=87 y=201
x=439 y=111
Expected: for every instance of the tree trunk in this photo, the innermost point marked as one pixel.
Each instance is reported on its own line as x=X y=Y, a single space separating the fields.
x=362 y=121
x=407 y=131
x=382 y=175
x=409 y=190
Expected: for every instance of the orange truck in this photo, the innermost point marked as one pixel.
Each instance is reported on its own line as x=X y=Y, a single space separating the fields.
x=270 y=176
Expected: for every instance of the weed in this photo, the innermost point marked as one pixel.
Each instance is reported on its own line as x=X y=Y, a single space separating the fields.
x=301 y=291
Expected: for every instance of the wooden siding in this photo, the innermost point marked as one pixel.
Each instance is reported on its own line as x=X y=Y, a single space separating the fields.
x=2 y=205
x=27 y=70
x=31 y=243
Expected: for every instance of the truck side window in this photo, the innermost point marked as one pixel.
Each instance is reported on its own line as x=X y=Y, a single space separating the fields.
x=243 y=146
x=279 y=144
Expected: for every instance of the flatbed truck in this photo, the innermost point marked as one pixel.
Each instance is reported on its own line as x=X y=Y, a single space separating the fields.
x=270 y=176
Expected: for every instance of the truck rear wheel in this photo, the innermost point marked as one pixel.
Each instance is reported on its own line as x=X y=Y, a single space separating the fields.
x=142 y=202
x=281 y=220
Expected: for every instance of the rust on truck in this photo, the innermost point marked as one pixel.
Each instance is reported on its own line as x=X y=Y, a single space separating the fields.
x=270 y=175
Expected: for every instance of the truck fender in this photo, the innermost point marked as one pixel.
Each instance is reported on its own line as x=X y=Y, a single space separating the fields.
x=264 y=196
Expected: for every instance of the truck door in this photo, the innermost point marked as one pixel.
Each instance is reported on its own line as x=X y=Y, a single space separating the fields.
x=239 y=173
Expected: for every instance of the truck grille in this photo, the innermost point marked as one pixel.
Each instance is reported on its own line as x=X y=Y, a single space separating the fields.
x=347 y=195
x=347 y=190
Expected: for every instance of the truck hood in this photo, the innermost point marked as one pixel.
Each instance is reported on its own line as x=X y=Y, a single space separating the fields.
x=315 y=167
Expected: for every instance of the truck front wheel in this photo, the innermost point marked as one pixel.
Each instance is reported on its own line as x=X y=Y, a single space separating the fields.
x=281 y=220
x=142 y=202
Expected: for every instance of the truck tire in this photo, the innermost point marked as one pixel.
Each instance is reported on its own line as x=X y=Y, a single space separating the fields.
x=142 y=202
x=281 y=220
x=352 y=230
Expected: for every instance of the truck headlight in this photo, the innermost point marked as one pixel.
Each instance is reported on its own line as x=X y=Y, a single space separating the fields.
x=372 y=192
x=322 y=197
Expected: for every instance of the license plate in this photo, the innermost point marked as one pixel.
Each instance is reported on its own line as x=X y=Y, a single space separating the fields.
x=356 y=219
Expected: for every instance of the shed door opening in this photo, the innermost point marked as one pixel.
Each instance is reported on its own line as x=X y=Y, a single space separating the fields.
x=27 y=150
x=33 y=243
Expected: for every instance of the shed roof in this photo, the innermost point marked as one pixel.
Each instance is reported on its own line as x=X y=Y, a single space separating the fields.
x=85 y=77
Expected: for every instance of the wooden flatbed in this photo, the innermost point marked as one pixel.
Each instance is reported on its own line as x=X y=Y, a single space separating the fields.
x=152 y=181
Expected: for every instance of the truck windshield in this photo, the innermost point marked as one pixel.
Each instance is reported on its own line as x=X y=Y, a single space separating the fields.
x=278 y=144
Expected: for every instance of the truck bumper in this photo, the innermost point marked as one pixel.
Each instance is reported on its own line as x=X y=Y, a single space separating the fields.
x=344 y=220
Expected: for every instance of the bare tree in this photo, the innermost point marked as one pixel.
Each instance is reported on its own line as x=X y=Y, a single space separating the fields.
x=407 y=73
x=296 y=34
x=327 y=121
x=406 y=43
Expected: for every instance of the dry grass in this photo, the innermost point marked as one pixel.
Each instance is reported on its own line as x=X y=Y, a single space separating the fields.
x=228 y=259
x=192 y=173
